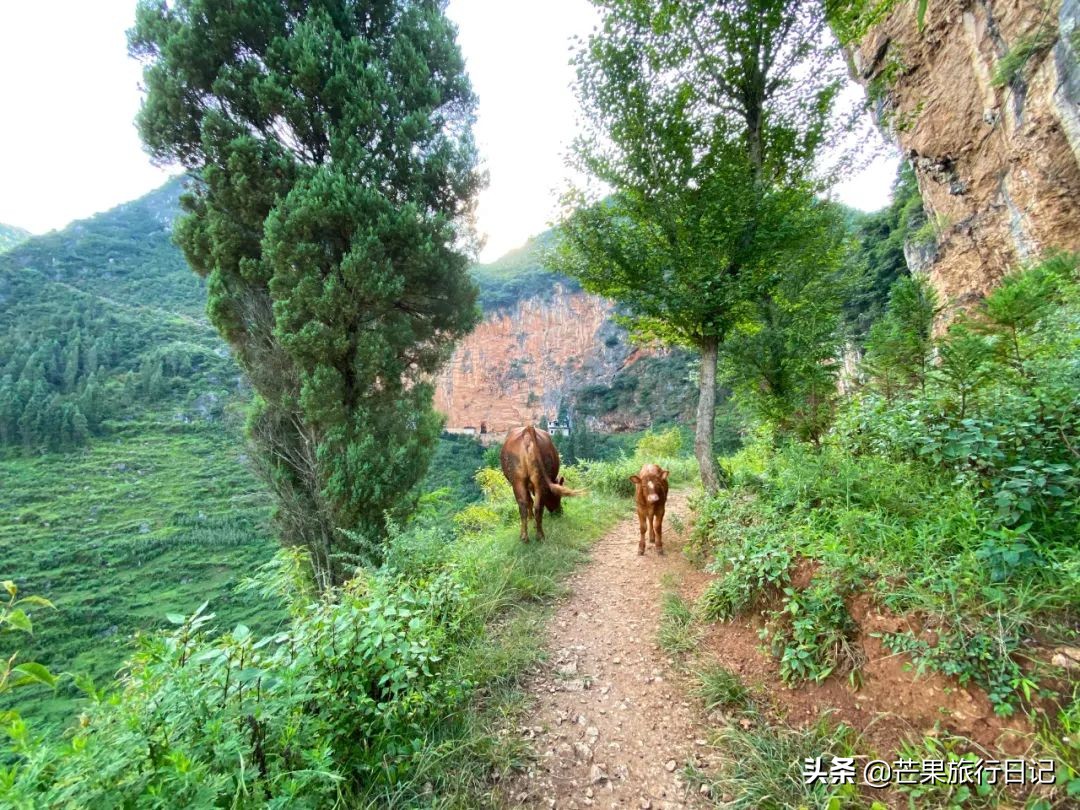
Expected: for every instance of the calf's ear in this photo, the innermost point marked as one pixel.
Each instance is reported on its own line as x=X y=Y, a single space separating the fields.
x=635 y=479
x=664 y=474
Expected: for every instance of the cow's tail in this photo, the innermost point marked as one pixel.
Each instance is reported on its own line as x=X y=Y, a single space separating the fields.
x=558 y=489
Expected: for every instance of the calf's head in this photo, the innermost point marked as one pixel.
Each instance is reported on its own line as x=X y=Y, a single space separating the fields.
x=651 y=482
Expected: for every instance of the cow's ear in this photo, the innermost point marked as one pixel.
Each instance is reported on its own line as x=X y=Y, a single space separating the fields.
x=664 y=474
x=560 y=480
x=635 y=479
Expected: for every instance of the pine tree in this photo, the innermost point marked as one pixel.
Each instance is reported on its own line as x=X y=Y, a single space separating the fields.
x=334 y=174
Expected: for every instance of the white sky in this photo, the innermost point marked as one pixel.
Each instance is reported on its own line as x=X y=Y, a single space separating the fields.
x=68 y=146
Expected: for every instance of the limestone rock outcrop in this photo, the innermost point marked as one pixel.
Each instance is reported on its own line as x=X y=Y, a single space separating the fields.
x=998 y=166
x=522 y=364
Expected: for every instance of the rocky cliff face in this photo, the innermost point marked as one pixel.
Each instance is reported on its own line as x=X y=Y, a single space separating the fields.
x=998 y=162
x=528 y=361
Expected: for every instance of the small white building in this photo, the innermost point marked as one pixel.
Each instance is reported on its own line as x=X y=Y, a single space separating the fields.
x=555 y=427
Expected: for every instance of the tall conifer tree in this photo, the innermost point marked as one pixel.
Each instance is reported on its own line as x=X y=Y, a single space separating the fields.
x=334 y=176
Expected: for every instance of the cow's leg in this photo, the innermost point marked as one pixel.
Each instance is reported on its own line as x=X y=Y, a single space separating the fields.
x=539 y=519
x=649 y=523
x=523 y=509
x=524 y=502
x=658 y=528
x=641 y=529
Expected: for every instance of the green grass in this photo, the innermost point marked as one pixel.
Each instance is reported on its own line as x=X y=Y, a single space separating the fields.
x=719 y=688
x=678 y=633
x=761 y=767
x=156 y=518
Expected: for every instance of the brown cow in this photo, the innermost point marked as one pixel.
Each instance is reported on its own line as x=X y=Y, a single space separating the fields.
x=651 y=488
x=530 y=463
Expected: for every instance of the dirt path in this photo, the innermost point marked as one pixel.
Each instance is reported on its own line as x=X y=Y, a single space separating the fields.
x=612 y=724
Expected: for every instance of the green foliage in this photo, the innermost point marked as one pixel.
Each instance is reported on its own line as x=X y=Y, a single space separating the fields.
x=1014 y=310
x=1059 y=738
x=782 y=363
x=10 y=236
x=982 y=651
x=811 y=633
x=332 y=260
x=940 y=793
x=694 y=117
x=15 y=619
x=613 y=477
x=869 y=508
x=750 y=572
x=520 y=274
x=101 y=323
x=878 y=259
x=163 y=515
x=964 y=365
x=898 y=345
x=1010 y=67
x=666 y=444
x=453 y=467
x=659 y=385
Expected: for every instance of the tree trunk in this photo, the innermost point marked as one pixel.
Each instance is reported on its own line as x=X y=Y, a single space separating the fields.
x=706 y=416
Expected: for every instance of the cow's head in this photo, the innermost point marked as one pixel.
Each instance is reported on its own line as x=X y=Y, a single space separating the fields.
x=648 y=481
x=556 y=491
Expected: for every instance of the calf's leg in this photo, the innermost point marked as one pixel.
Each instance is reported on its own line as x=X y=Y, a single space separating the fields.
x=658 y=528
x=641 y=529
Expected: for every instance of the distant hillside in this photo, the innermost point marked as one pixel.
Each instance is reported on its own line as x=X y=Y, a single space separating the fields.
x=519 y=274
x=125 y=254
x=546 y=348
x=125 y=491
x=99 y=320
x=10 y=236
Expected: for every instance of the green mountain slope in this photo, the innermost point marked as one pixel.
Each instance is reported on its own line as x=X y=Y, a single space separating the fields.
x=10 y=236
x=519 y=274
x=126 y=492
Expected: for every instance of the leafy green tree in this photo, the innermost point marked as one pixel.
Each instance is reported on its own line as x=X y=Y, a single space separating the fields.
x=899 y=344
x=1024 y=298
x=964 y=364
x=334 y=174
x=879 y=256
x=704 y=119
x=783 y=362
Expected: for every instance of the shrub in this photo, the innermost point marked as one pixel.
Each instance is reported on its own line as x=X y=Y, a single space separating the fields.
x=476 y=519
x=811 y=633
x=337 y=700
x=753 y=560
x=668 y=444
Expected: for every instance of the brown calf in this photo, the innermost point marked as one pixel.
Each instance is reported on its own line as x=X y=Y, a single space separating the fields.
x=651 y=488
x=530 y=463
